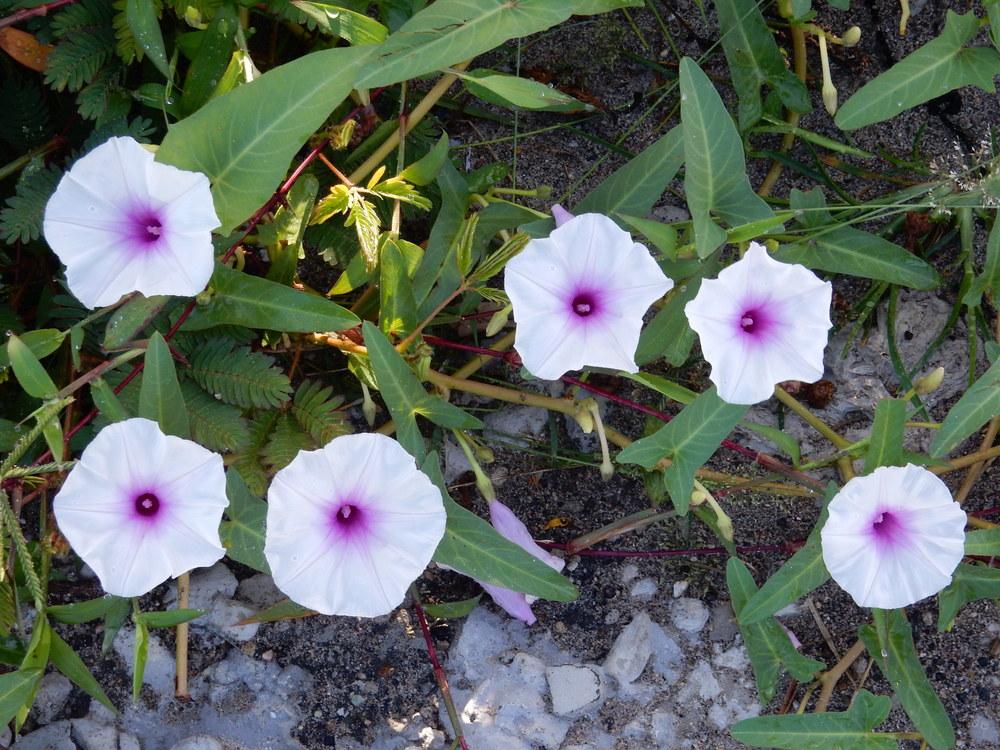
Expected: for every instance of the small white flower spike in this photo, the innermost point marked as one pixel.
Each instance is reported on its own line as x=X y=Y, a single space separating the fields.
x=510 y=526
x=579 y=297
x=350 y=526
x=893 y=537
x=121 y=222
x=141 y=507
x=761 y=322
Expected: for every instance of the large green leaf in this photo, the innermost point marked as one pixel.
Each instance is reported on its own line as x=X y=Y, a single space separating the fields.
x=506 y=90
x=801 y=573
x=30 y=373
x=129 y=320
x=977 y=406
x=886 y=446
x=472 y=546
x=350 y=25
x=16 y=689
x=688 y=440
x=754 y=59
x=397 y=311
x=242 y=533
x=636 y=186
x=768 y=645
x=968 y=583
x=941 y=65
x=896 y=655
x=67 y=661
x=241 y=299
x=41 y=342
x=715 y=180
x=450 y=31
x=245 y=139
x=145 y=27
x=405 y=396
x=847 y=730
x=983 y=543
x=850 y=251
x=160 y=397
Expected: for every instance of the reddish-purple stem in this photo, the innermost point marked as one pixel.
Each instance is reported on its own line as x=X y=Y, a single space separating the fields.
x=440 y=676
x=38 y=10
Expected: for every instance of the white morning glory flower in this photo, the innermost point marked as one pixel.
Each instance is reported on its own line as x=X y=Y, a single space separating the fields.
x=350 y=526
x=893 y=537
x=579 y=296
x=761 y=322
x=121 y=222
x=514 y=602
x=141 y=507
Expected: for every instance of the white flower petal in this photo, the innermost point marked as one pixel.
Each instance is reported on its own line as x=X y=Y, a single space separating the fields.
x=122 y=222
x=912 y=563
x=761 y=322
x=96 y=506
x=590 y=260
x=361 y=570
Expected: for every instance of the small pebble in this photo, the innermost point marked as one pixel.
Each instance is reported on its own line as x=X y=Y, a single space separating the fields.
x=679 y=588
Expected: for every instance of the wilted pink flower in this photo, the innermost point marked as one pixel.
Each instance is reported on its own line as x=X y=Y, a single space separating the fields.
x=761 y=322
x=350 y=526
x=579 y=295
x=893 y=537
x=517 y=604
x=122 y=222
x=140 y=506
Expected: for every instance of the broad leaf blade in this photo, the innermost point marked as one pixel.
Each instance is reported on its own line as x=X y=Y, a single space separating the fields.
x=129 y=320
x=768 y=645
x=245 y=139
x=16 y=689
x=688 y=440
x=850 y=251
x=636 y=186
x=245 y=300
x=802 y=572
x=897 y=658
x=715 y=181
x=968 y=583
x=886 y=447
x=67 y=661
x=160 y=397
x=847 y=730
x=754 y=60
x=405 y=396
x=243 y=533
x=976 y=407
x=940 y=66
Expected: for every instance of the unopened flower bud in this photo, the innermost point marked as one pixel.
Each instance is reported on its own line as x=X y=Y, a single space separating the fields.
x=929 y=382
x=830 y=98
x=851 y=37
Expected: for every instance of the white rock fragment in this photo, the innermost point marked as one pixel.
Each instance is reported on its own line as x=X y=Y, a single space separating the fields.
x=689 y=615
x=573 y=687
x=667 y=655
x=679 y=588
x=199 y=742
x=91 y=735
x=644 y=589
x=984 y=731
x=701 y=682
x=663 y=729
x=53 y=737
x=630 y=572
x=223 y=616
x=631 y=650
x=733 y=658
x=206 y=585
x=53 y=691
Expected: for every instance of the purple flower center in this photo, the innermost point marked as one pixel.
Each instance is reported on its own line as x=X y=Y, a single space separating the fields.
x=147 y=229
x=888 y=529
x=584 y=304
x=349 y=520
x=755 y=322
x=147 y=504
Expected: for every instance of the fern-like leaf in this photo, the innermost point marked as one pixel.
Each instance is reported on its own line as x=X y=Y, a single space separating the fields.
x=217 y=426
x=317 y=413
x=25 y=122
x=248 y=461
x=286 y=440
x=104 y=99
x=239 y=376
x=21 y=220
x=86 y=40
